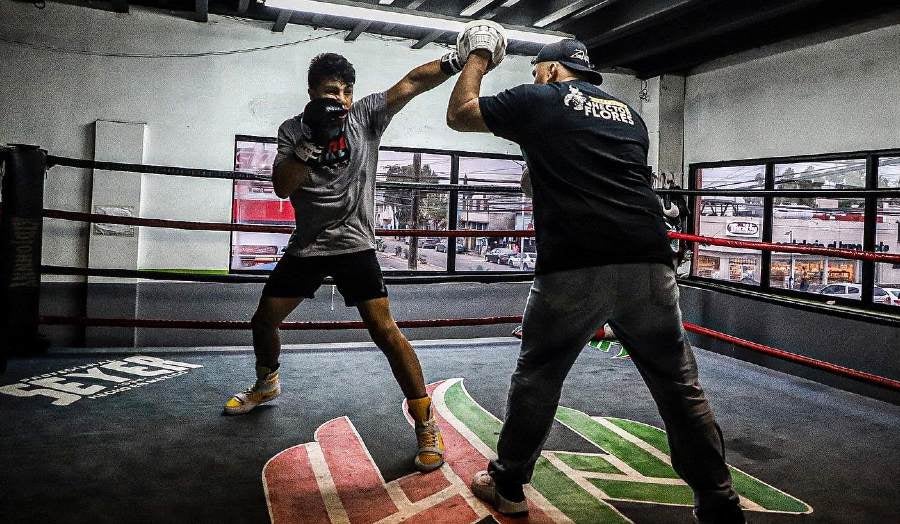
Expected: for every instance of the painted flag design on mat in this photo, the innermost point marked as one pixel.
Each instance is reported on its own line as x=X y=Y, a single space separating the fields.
x=335 y=480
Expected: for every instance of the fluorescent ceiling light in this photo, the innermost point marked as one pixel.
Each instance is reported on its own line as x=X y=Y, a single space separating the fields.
x=474 y=7
x=562 y=13
x=395 y=17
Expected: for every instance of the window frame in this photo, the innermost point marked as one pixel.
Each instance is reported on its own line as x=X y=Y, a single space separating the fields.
x=867 y=283
x=452 y=208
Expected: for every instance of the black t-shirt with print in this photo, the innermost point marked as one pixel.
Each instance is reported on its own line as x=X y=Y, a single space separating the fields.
x=587 y=156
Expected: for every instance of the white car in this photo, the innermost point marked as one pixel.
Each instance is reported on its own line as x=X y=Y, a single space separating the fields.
x=887 y=295
x=523 y=261
x=880 y=295
x=843 y=290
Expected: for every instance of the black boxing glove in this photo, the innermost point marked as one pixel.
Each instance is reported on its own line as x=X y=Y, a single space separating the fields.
x=451 y=64
x=323 y=141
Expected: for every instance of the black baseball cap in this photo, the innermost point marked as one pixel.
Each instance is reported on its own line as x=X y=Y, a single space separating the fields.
x=572 y=54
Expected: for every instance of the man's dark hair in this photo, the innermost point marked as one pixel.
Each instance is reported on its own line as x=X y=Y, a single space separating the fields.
x=328 y=66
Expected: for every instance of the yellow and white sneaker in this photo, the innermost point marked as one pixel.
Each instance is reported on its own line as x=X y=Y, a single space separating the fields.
x=265 y=389
x=430 y=452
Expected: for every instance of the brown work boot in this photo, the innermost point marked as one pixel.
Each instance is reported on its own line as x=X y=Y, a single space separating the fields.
x=430 y=454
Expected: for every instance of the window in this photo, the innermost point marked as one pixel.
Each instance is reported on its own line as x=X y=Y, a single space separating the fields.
x=887 y=233
x=829 y=222
x=826 y=211
x=401 y=208
x=493 y=211
x=733 y=217
x=255 y=202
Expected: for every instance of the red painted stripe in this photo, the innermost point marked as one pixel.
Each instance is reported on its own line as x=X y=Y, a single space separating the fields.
x=356 y=477
x=418 y=487
x=466 y=461
x=454 y=509
x=292 y=488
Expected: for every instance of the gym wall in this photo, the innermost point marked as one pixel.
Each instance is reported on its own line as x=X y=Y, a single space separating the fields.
x=833 y=96
x=193 y=108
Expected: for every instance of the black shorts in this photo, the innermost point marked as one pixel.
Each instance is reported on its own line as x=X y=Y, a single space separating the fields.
x=357 y=276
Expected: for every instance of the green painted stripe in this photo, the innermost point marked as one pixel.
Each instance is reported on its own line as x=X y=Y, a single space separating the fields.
x=570 y=498
x=591 y=463
x=553 y=484
x=764 y=495
x=749 y=487
x=639 y=459
x=649 y=434
x=647 y=492
x=579 y=505
x=602 y=345
x=479 y=421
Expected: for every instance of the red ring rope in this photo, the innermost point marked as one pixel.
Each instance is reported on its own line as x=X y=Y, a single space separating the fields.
x=789 y=248
x=219 y=226
x=291 y=326
x=793 y=357
x=447 y=322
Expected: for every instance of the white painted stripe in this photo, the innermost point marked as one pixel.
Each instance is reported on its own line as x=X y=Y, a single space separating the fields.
x=546 y=506
x=399 y=498
x=633 y=439
x=612 y=459
x=333 y=505
x=438 y=399
x=745 y=502
x=629 y=478
x=583 y=483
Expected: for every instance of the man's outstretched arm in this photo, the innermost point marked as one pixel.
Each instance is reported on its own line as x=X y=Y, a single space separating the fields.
x=464 y=111
x=421 y=79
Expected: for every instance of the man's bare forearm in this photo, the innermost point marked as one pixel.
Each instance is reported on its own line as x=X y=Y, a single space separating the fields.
x=427 y=76
x=288 y=176
x=463 y=111
x=423 y=78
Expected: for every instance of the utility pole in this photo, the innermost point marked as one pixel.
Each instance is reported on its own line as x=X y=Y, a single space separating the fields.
x=413 y=261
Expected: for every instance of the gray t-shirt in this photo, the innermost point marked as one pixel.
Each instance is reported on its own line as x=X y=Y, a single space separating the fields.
x=335 y=207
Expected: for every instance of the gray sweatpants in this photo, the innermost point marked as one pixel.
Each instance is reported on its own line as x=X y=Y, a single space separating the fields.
x=640 y=302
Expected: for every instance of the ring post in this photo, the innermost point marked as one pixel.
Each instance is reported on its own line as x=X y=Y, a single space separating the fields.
x=23 y=168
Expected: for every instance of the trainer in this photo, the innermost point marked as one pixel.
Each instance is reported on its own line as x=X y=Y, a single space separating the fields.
x=603 y=256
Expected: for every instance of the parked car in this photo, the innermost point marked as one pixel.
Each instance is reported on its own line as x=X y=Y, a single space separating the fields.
x=881 y=295
x=523 y=261
x=894 y=294
x=842 y=290
x=442 y=247
x=496 y=254
x=429 y=243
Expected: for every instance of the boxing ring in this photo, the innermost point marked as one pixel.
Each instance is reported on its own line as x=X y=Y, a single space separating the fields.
x=153 y=447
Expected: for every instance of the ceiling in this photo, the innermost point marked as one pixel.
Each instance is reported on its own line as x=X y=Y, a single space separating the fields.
x=644 y=37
